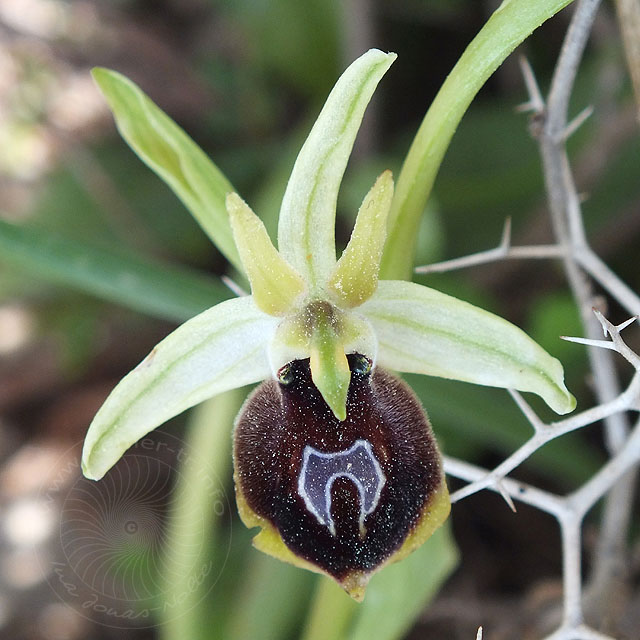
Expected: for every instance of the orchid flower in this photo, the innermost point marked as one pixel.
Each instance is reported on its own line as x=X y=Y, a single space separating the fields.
x=334 y=456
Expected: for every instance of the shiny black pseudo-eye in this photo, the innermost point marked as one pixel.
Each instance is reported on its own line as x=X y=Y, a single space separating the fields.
x=341 y=498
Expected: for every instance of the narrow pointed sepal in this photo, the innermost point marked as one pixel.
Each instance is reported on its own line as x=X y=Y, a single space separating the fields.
x=421 y=330
x=173 y=155
x=275 y=284
x=307 y=216
x=355 y=277
x=220 y=349
x=343 y=499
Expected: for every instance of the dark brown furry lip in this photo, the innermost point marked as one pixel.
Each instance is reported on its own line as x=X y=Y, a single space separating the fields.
x=386 y=438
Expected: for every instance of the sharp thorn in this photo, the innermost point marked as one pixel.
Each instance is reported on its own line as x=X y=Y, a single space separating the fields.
x=505 y=242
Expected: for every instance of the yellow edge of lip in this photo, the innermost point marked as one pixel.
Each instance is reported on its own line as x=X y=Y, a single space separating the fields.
x=270 y=542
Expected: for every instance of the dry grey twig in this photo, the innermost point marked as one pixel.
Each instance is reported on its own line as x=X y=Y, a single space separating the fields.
x=615 y=481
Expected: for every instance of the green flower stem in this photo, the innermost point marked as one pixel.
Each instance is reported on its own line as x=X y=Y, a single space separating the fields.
x=262 y=613
x=188 y=549
x=331 y=612
x=171 y=293
x=398 y=594
x=509 y=25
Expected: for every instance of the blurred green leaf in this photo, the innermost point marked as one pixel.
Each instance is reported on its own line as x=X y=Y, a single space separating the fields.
x=509 y=25
x=617 y=188
x=471 y=421
x=394 y=598
x=194 y=555
x=556 y=315
x=221 y=602
x=173 y=155
x=306 y=53
x=14 y=285
x=330 y=612
x=271 y=599
x=104 y=193
x=491 y=171
x=397 y=595
x=169 y=292
x=76 y=324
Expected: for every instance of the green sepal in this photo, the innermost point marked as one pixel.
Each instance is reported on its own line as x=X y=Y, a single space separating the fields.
x=173 y=155
x=222 y=348
x=307 y=216
x=421 y=330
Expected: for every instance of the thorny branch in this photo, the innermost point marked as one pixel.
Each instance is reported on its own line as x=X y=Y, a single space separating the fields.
x=616 y=479
x=544 y=433
x=571 y=509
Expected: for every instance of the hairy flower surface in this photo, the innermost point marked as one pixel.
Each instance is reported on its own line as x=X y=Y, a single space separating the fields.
x=341 y=497
x=334 y=456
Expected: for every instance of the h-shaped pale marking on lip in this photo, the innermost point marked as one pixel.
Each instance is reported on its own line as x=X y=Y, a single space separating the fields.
x=320 y=470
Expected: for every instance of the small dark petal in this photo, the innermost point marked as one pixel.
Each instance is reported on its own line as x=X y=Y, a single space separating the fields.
x=342 y=498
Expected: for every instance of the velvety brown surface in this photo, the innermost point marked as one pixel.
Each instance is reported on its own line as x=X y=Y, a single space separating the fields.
x=276 y=424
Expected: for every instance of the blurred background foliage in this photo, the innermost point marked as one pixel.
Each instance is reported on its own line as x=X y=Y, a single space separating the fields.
x=98 y=260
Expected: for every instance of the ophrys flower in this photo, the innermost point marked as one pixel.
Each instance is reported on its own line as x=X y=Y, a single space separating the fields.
x=334 y=457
